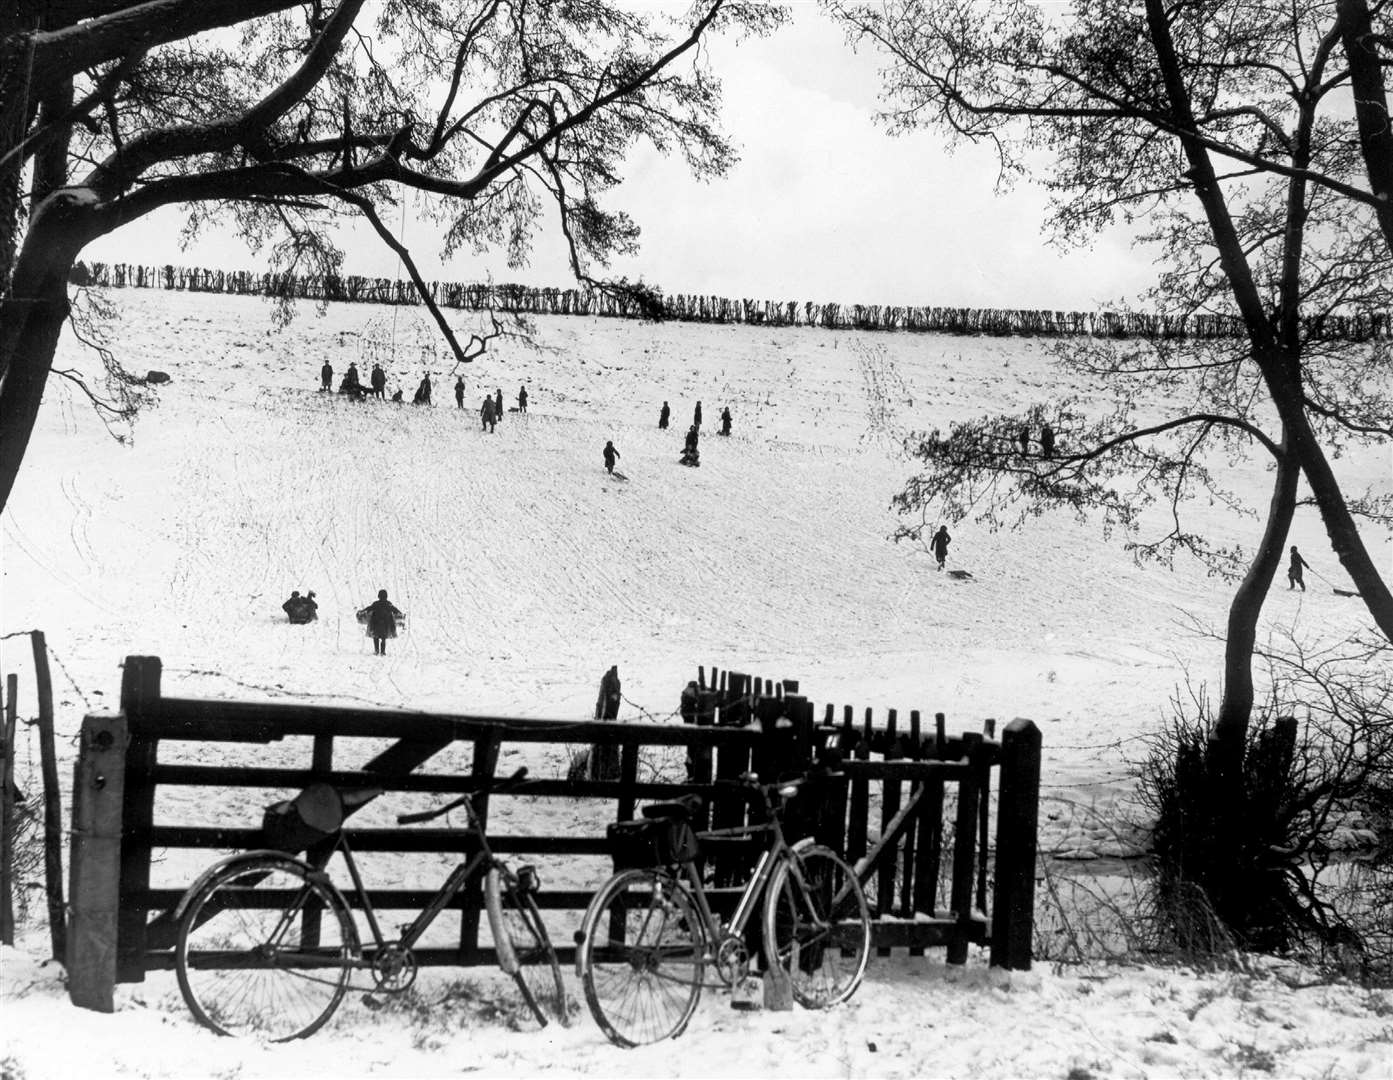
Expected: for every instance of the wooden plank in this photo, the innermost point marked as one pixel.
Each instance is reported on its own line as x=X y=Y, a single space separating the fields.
x=95 y=868
x=909 y=862
x=53 y=809
x=140 y=687
x=889 y=809
x=858 y=809
x=964 y=844
x=484 y=766
x=728 y=807
x=260 y=722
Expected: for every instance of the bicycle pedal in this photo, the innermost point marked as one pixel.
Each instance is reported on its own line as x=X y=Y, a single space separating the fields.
x=372 y=1002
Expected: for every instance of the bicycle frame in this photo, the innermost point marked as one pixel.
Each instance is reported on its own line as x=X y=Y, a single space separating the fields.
x=483 y=859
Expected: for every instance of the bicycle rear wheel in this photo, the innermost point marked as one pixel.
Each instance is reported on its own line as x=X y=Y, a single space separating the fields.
x=641 y=957
x=816 y=925
x=265 y=948
x=524 y=950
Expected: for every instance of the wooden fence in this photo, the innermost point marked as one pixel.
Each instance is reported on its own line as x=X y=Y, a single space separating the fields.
x=926 y=871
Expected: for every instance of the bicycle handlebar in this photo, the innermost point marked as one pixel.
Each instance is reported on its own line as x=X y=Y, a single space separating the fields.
x=492 y=785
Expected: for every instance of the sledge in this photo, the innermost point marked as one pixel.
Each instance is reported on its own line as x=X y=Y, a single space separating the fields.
x=1343 y=592
x=960 y=575
x=617 y=475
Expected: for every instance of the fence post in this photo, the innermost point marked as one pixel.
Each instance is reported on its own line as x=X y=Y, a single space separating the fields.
x=8 y=802
x=485 y=765
x=95 y=867
x=140 y=688
x=1017 y=817
x=53 y=809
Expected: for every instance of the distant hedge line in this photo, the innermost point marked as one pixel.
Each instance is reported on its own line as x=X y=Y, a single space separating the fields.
x=686 y=307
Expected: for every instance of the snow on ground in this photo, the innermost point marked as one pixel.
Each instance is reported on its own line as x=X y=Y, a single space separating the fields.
x=910 y=1019
x=526 y=571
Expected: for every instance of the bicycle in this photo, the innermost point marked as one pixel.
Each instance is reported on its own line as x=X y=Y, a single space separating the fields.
x=649 y=933
x=267 y=943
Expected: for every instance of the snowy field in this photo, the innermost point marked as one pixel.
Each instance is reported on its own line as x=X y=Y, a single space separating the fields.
x=526 y=571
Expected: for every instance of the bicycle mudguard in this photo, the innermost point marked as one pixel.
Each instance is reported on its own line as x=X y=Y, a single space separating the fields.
x=257 y=855
x=493 y=903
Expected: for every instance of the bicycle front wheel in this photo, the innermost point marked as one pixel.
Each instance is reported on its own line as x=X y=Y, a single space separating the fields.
x=641 y=957
x=524 y=950
x=817 y=926
x=265 y=948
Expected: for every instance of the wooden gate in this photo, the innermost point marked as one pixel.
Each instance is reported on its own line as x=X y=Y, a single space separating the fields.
x=122 y=927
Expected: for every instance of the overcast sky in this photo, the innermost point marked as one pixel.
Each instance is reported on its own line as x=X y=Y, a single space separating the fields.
x=823 y=205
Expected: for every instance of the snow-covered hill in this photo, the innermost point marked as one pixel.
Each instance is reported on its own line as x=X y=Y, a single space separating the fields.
x=526 y=571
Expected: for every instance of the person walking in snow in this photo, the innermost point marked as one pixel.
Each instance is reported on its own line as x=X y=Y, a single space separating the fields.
x=696 y=416
x=663 y=417
x=522 y=399
x=459 y=392
x=1294 y=569
x=1047 y=441
x=380 y=617
x=939 y=544
x=610 y=454
x=725 y=420
x=326 y=376
x=1024 y=438
x=497 y=406
x=378 y=379
x=486 y=413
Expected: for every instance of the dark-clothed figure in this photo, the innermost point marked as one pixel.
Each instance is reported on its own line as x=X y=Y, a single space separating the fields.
x=610 y=454
x=497 y=405
x=725 y=420
x=663 y=417
x=326 y=376
x=690 y=454
x=1024 y=438
x=486 y=413
x=301 y=609
x=522 y=399
x=422 y=391
x=351 y=385
x=1294 y=569
x=604 y=759
x=939 y=543
x=459 y=392
x=687 y=707
x=380 y=617
x=397 y=397
x=378 y=379
x=696 y=415
x=1047 y=441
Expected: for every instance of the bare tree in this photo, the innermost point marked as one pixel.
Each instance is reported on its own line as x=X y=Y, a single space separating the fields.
x=285 y=116
x=1231 y=137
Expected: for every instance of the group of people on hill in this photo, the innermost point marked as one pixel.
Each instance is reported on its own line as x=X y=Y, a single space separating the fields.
x=691 y=453
x=492 y=409
x=352 y=385
x=379 y=618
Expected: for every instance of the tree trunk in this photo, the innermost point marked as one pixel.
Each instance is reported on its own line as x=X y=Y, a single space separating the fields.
x=1235 y=710
x=32 y=320
x=1370 y=106
x=1345 y=540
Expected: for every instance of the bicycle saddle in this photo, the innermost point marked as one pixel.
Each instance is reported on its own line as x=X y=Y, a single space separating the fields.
x=681 y=808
